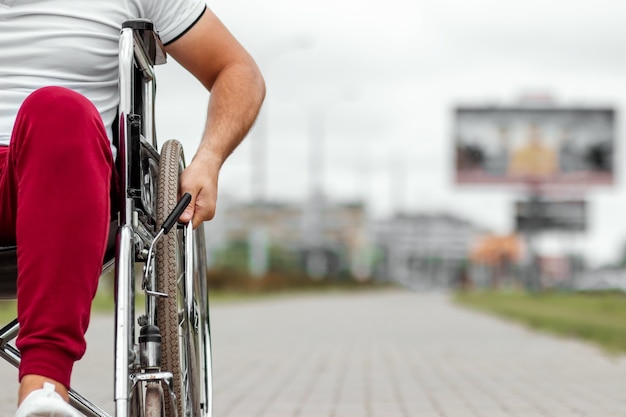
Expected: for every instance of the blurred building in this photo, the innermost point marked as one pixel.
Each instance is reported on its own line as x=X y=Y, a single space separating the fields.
x=274 y=235
x=424 y=250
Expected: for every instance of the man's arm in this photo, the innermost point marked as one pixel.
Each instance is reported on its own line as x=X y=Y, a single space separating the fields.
x=214 y=56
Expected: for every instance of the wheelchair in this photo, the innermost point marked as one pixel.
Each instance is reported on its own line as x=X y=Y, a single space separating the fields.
x=162 y=357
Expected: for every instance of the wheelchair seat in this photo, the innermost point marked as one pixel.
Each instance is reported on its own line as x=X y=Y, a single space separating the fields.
x=8 y=272
x=8 y=264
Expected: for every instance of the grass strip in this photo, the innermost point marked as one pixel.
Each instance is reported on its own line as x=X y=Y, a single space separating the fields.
x=8 y=311
x=596 y=317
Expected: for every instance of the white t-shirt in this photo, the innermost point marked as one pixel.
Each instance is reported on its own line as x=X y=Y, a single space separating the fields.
x=74 y=44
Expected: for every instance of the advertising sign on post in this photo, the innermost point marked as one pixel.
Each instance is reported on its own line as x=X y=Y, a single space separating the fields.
x=540 y=215
x=549 y=145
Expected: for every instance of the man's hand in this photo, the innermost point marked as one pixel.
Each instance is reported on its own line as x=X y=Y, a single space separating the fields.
x=200 y=180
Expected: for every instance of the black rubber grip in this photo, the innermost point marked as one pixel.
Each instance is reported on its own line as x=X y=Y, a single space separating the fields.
x=175 y=214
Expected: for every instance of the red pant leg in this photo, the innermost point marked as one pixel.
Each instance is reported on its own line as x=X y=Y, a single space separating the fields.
x=56 y=178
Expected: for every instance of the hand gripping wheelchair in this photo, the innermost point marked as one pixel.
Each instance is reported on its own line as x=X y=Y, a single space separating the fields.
x=162 y=357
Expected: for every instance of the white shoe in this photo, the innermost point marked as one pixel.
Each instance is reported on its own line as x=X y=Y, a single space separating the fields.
x=45 y=402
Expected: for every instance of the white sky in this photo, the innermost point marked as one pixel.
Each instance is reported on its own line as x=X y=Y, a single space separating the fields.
x=385 y=76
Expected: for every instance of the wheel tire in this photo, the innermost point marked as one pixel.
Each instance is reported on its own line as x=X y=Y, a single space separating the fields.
x=169 y=267
x=185 y=332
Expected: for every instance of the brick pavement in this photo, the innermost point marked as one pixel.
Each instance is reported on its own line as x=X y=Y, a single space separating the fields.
x=380 y=354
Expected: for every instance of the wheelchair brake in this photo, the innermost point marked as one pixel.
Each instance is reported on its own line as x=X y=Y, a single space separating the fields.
x=165 y=228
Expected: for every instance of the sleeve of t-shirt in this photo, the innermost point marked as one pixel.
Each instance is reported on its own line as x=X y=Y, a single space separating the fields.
x=173 y=18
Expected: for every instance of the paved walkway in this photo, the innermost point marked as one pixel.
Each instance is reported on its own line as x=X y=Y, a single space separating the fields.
x=380 y=354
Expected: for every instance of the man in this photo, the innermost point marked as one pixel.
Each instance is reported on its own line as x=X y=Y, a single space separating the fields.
x=58 y=95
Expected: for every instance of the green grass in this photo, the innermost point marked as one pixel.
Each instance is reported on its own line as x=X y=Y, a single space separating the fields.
x=596 y=317
x=103 y=302
x=8 y=311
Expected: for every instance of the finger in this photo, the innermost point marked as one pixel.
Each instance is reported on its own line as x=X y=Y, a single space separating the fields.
x=188 y=214
x=203 y=212
x=197 y=221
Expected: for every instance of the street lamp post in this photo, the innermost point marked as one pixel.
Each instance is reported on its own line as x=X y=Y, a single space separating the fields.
x=258 y=171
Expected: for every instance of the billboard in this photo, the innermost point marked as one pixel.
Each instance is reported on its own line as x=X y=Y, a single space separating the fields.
x=539 y=215
x=549 y=145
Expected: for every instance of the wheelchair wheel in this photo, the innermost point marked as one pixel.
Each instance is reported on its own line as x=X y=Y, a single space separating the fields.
x=154 y=400
x=183 y=316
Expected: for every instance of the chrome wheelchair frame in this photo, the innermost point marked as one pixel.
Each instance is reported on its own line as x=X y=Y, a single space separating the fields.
x=164 y=369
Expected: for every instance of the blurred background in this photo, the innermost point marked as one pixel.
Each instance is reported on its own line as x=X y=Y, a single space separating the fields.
x=468 y=149
x=436 y=144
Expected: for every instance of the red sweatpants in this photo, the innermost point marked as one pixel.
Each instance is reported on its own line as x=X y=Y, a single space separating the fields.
x=55 y=179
